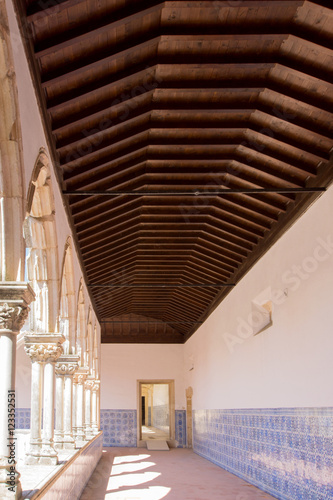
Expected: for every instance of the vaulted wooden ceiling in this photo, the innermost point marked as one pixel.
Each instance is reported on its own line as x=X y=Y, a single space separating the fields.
x=188 y=136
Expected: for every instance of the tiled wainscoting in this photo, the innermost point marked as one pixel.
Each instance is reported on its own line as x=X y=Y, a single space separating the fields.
x=180 y=423
x=22 y=418
x=286 y=452
x=119 y=427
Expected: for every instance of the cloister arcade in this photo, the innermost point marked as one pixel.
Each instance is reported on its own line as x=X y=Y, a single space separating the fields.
x=42 y=304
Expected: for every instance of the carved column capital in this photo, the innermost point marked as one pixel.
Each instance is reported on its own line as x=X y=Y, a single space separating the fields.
x=95 y=387
x=89 y=384
x=44 y=347
x=67 y=365
x=15 y=298
x=81 y=375
x=65 y=368
x=79 y=378
x=44 y=352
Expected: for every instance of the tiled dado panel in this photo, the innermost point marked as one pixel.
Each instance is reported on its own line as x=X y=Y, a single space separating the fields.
x=119 y=427
x=287 y=452
x=22 y=418
x=180 y=421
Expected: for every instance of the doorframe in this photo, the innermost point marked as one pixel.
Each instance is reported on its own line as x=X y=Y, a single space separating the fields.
x=171 y=383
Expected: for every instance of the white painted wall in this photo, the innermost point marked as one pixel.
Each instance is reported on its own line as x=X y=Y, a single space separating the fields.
x=290 y=363
x=123 y=365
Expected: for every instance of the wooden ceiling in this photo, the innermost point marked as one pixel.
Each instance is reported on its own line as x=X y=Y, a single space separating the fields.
x=188 y=136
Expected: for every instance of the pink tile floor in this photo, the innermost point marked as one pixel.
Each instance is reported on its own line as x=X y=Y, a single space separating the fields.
x=178 y=474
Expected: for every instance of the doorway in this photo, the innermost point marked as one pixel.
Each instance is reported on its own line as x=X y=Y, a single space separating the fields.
x=155 y=411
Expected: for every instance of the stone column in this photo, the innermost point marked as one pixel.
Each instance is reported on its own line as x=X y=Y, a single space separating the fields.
x=74 y=426
x=49 y=454
x=65 y=369
x=98 y=409
x=59 y=407
x=46 y=348
x=94 y=408
x=88 y=410
x=15 y=298
x=80 y=378
x=37 y=371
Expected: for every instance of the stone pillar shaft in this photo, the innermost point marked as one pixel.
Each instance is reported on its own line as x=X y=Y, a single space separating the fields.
x=59 y=425
x=46 y=349
x=37 y=371
x=74 y=424
x=94 y=408
x=88 y=410
x=65 y=369
x=68 y=407
x=15 y=298
x=79 y=410
x=80 y=378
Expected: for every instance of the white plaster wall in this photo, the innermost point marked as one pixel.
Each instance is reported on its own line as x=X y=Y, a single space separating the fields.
x=160 y=395
x=33 y=138
x=123 y=365
x=290 y=363
x=23 y=379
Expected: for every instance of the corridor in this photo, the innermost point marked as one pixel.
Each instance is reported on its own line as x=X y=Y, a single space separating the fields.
x=179 y=474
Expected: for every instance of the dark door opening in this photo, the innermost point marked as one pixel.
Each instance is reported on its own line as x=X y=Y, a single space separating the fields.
x=143 y=409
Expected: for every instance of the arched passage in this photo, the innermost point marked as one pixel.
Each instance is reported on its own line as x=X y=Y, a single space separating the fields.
x=42 y=252
x=90 y=341
x=15 y=296
x=11 y=172
x=67 y=300
x=95 y=358
x=81 y=344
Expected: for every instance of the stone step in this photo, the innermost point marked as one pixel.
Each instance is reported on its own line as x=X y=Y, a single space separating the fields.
x=157 y=445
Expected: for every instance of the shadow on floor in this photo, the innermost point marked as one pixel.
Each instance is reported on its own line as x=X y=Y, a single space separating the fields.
x=139 y=474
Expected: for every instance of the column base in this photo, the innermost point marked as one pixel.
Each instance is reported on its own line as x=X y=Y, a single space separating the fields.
x=95 y=430
x=32 y=459
x=10 y=486
x=80 y=438
x=89 y=434
x=68 y=442
x=47 y=460
x=48 y=455
x=32 y=456
x=80 y=443
x=58 y=441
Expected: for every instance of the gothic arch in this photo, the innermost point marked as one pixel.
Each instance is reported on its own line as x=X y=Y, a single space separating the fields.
x=90 y=341
x=95 y=355
x=41 y=242
x=81 y=334
x=67 y=300
x=11 y=161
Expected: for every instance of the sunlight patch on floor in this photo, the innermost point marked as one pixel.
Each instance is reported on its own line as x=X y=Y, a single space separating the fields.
x=130 y=458
x=116 y=482
x=151 y=493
